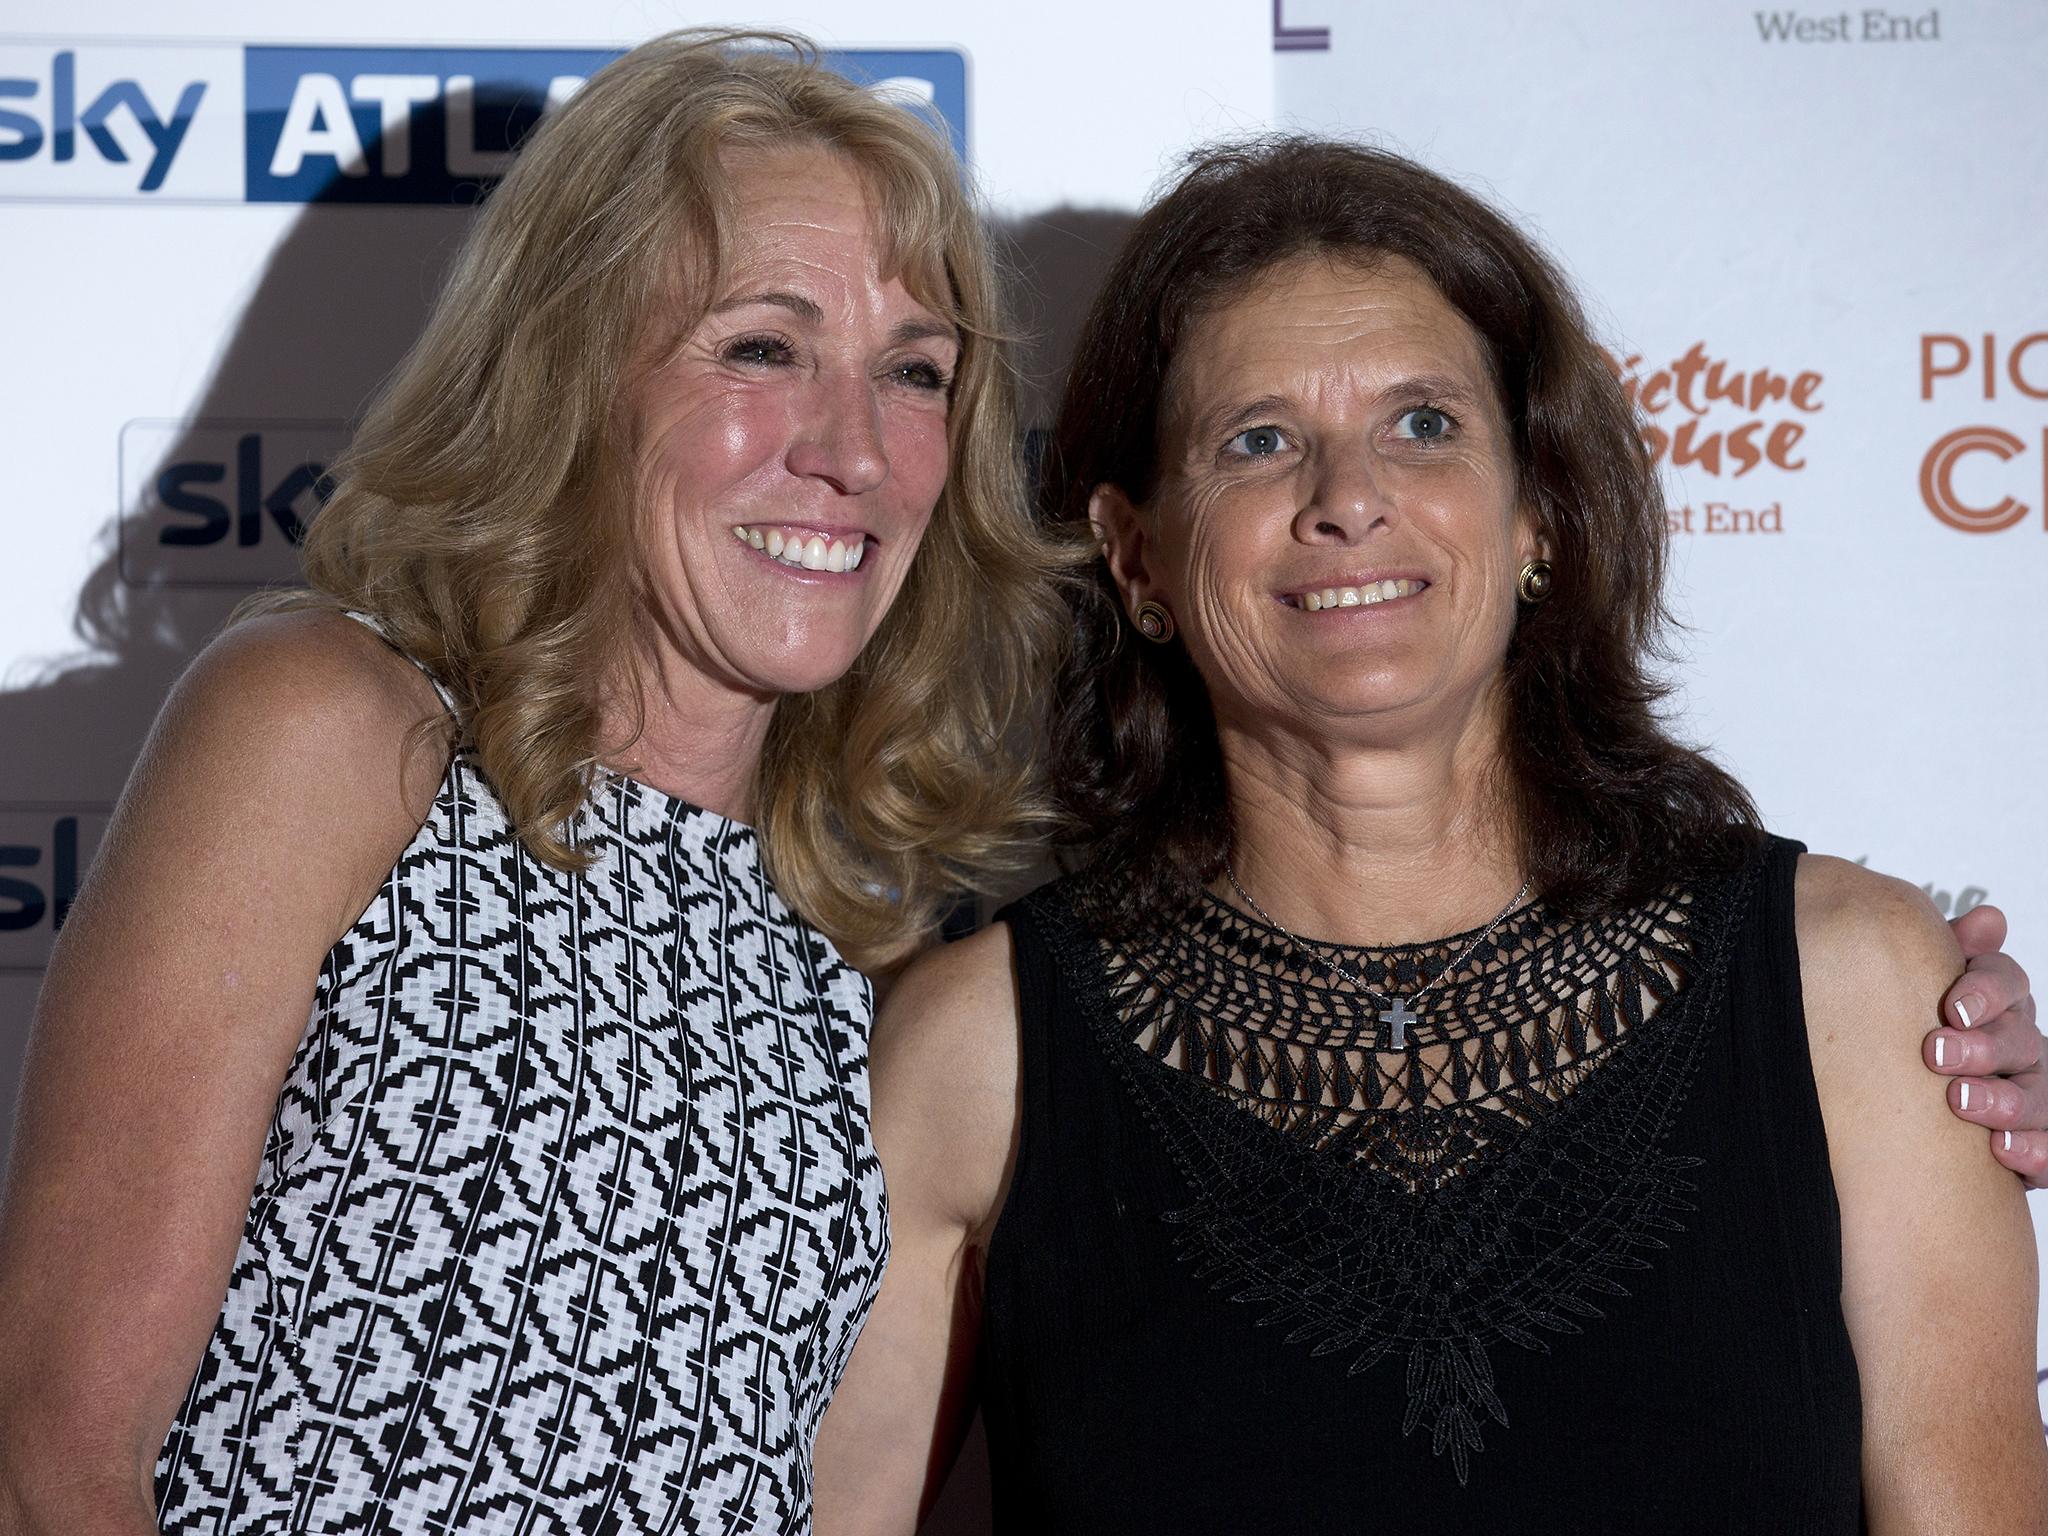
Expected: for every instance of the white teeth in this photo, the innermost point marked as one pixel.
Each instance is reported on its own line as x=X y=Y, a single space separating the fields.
x=1357 y=597
x=812 y=553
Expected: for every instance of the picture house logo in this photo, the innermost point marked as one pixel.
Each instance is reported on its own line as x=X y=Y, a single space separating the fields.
x=44 y=851
x=1964 y=478
x=1710 y=415
x=221 y=503
x=195 y=123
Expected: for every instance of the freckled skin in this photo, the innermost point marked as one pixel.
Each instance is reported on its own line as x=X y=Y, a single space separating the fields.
x=767 y=414
x=1337 y=361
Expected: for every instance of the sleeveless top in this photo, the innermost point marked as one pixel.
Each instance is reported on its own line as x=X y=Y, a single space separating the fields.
x=1569 y=1262
x=568 y=1213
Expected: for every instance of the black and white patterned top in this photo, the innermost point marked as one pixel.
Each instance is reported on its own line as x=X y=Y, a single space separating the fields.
x=568 y=1215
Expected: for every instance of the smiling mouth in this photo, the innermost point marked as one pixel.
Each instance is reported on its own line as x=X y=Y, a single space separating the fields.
x=803 y=550
x=1353 y=597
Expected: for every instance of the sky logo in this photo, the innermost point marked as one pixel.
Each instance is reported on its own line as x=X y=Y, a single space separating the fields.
x=221 y=503
x=57 y=129
x=44 y=851
x=277 y=124
x=96 y=122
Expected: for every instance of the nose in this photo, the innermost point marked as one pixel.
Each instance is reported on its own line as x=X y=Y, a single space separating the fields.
x=838 y=434
x=1346 y=498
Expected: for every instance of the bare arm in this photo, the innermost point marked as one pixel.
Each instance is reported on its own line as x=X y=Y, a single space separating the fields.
x=264 y=812
x=945 y=1075
x=1951 y=1430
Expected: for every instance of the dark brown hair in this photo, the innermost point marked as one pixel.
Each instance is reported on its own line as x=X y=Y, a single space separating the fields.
x=1609 y=807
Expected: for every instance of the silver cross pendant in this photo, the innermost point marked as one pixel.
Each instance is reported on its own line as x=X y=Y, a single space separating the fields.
x=1400 y=1015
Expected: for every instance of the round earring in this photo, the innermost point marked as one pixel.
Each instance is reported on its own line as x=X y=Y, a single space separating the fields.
x=1536 y=581
x=1154 y=622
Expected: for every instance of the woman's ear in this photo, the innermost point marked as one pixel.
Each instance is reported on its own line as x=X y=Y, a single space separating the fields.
x=1532 y=540
x=1119 y=528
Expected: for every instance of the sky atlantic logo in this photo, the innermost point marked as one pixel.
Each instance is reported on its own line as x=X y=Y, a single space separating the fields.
x=170 y=122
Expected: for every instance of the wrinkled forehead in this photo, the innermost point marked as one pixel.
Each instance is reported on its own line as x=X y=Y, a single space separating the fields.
x=804 y=188
x=1316 y=319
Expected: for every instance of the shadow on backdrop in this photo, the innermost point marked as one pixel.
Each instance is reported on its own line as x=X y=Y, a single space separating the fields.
x=209 y=507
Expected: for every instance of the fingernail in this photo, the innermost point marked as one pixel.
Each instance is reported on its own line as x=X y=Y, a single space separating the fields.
x=2008 y=1141
x=1966 y=1095
x=1964 y=1013
x=1941 y=1050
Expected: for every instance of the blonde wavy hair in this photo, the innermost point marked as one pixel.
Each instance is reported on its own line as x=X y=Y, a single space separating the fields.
x=485 y=512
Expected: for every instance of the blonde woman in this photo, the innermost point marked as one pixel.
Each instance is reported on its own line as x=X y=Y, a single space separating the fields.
x=441 y=998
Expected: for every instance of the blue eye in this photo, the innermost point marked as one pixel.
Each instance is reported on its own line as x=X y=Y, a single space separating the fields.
x=1258 y=442
x=1424 y=424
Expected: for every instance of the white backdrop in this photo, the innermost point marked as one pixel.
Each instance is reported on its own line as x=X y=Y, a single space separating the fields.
x=1811 y=238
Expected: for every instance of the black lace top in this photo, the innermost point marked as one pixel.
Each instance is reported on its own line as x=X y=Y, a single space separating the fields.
x=1570 y=1261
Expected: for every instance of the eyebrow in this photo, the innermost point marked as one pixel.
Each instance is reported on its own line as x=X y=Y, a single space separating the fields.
x=795 y=303
x=924 y=329
x=921 y=328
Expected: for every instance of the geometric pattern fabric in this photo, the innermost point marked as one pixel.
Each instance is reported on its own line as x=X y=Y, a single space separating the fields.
x=568 y=1214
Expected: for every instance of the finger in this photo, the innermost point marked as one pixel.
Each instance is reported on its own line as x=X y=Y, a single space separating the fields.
x=2017 y=1104
x=2025 y=1153
x=1980 y=931
x=1991 y=985
x=2006 y=1045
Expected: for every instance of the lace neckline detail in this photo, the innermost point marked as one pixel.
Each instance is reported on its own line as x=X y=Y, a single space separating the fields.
x=1452 y=943
x=1494 y=1182
x=1270 y=1027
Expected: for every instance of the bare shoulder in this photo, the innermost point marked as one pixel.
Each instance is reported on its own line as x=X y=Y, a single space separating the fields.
x=1874 y=961
x=300 y=699
x=307 y=682
x=963 y=993
x=946 y=1078
x=1859 y=929
x=292 y=742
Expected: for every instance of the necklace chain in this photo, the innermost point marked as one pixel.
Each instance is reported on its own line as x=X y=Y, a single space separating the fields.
x=1404 y=1008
